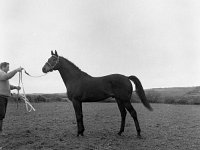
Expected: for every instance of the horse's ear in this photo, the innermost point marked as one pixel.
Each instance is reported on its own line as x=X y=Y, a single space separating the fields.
x=56 y=54
x=52 y=53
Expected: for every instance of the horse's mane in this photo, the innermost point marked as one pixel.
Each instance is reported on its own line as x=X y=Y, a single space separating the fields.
x=72 y=64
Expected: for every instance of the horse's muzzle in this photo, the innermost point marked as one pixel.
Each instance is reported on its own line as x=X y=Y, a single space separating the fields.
x=44 y=70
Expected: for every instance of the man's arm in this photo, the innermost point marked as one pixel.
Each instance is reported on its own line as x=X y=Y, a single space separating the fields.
x=12 y=87
x=9 y=75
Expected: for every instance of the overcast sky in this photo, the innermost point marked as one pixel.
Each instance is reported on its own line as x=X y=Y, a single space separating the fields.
x=157 y=40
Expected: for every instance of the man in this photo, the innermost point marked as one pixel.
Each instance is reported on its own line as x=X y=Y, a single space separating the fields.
x=5 y=88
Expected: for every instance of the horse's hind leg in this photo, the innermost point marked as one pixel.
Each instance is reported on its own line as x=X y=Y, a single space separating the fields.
x=123 y=115
x=133 y=113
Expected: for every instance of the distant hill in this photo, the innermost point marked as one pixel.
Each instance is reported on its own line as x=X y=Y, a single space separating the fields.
x=174 y=91
x=174 y=95
x=180 y=95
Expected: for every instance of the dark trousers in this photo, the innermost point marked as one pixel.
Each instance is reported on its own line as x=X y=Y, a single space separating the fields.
x=3 y=106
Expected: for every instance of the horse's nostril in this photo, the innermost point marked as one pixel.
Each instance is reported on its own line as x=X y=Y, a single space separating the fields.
x=43 y=70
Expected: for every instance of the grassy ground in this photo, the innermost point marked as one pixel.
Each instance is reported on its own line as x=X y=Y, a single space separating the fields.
x=53 y=127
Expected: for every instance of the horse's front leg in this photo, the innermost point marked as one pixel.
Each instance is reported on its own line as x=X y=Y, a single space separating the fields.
x=79 y=116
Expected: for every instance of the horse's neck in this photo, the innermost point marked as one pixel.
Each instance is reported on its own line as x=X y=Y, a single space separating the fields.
x=69 y=76
x=71 y=73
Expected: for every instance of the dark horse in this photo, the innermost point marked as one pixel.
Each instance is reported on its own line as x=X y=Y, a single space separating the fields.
x=82 y=87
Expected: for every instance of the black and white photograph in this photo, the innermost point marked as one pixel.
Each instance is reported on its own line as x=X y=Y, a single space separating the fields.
x=99 y=75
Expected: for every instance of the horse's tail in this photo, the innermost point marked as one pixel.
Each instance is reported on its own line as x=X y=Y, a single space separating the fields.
x=140 y=92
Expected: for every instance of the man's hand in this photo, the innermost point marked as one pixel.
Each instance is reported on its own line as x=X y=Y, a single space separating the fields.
x=18 y=88
x=19 y=69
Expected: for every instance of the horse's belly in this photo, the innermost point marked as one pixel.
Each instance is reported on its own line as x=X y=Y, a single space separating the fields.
x=98 y=95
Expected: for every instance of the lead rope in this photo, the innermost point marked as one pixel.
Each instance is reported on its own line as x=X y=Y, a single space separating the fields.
x=32 y=75
x=29 y=107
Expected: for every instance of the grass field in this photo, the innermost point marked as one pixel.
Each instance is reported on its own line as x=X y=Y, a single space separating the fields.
x=53 y=127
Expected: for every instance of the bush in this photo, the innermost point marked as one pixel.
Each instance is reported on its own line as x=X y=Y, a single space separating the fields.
x=183 y=101
x=196 y=100
x=31 y=98
x=153 y=96
x=40 y=99
x=169 y=100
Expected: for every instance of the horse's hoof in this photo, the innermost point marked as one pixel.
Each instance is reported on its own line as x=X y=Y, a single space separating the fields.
x=119 y=133
x=139 y=136
x=80 y=134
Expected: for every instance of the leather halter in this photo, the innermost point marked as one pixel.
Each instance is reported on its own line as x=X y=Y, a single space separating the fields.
x=53 y=66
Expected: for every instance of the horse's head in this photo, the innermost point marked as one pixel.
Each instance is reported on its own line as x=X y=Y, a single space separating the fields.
x=52 y=63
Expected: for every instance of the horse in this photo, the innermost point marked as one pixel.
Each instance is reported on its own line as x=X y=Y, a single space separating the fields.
x=81 y=87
